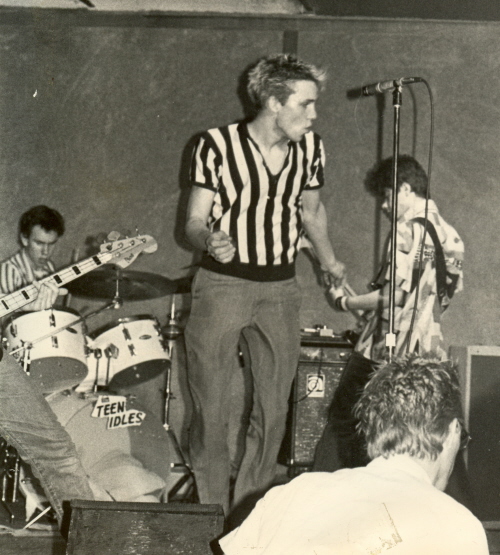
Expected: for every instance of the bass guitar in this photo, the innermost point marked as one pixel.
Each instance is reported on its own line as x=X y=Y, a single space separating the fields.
x=121 y=252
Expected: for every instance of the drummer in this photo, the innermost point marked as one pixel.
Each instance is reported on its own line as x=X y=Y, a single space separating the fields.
x=26 y=420
x=39 y=230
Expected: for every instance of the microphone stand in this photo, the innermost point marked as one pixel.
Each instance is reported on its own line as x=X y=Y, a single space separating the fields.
x=390 y=338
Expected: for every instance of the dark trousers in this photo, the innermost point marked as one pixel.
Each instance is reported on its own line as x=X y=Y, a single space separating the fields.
x=341 y=445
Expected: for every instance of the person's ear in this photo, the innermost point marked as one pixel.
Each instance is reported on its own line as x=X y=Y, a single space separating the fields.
x=274 y=104
x=454 y=430
x=405 y=188
x=24 y=240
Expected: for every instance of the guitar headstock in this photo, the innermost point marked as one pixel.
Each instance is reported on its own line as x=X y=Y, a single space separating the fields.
x=123 y=252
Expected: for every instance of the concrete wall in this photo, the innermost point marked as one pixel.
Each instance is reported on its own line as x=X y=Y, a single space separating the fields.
x=96 y=116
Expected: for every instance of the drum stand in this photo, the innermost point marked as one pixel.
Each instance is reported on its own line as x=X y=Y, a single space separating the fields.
x=10 y=463
x=171 y=332
x=12 y=482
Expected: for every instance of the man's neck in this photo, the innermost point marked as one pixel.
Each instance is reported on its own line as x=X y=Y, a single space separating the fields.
x=264 y=132
x=435 y=469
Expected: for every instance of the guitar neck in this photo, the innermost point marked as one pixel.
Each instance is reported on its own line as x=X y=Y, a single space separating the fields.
x=22 y=297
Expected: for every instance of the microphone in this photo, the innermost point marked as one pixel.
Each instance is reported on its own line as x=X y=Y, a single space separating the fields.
x=383 y=86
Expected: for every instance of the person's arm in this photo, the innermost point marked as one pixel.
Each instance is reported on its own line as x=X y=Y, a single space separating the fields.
x=11 y=281
x=316 y=226
x=375 y=300
x=218 y=244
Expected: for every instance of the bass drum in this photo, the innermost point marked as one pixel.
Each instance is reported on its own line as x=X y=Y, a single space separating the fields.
x=57 y=362
x=130 y=463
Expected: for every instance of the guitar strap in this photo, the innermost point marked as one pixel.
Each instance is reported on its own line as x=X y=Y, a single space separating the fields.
x=442 y=289
x=441 y=279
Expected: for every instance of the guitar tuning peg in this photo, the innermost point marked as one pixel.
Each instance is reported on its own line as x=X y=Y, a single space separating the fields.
x=113 y=236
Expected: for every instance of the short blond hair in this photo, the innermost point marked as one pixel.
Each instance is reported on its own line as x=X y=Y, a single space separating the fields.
x=272 y=75
x=408 y=405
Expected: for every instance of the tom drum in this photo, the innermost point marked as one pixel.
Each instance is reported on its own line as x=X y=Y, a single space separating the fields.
x=131 y=351
x=57 y=362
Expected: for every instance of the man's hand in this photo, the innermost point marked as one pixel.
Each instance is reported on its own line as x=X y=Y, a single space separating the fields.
x=47 y=296
x=335 y=274
x=220 y=247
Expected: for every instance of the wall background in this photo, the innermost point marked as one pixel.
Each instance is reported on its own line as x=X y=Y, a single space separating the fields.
x=97 y=112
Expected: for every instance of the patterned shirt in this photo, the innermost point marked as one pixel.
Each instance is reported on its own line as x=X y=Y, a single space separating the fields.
x=17 y=271
x=258 y=210
x=426 y=335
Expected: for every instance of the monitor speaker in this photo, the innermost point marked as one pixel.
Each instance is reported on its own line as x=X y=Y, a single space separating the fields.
x=109 y=528
x=479 y=371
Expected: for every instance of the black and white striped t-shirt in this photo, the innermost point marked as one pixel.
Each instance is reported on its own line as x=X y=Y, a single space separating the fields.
x=260 y=211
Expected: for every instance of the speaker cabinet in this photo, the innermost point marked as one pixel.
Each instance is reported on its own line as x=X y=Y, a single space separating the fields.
x=107 y=528
x=321 y=363
x=479 y=370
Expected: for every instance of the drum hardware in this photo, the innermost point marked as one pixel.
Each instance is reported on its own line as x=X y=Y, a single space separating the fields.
x=12 y=483
x=11 y=464
x=97 y=355
x=171 y=332
x=110 y=352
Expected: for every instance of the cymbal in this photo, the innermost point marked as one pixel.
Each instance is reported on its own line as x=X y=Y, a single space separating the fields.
x=107 y=283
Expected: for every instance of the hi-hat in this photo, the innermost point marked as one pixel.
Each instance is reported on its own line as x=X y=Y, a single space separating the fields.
x=108 y=283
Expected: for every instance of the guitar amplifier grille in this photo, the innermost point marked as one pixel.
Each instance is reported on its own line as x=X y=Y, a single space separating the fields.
x=321 y=364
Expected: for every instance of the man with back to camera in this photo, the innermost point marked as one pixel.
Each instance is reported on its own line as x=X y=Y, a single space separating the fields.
x=411 y=416
x=26 y=420
x=255 y=189
x=340 y=445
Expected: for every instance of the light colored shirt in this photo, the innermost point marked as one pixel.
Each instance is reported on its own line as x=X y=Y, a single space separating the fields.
x=426 y=335
x=389 y=506
x=17 y=271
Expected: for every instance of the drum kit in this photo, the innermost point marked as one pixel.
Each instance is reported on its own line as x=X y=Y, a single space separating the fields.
x=77 y=371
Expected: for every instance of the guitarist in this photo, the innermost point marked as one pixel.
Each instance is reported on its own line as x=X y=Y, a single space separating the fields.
x=26 y=420
x=340 y=445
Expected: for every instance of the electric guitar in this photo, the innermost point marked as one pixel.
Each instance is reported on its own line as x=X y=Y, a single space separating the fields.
x=121 y=252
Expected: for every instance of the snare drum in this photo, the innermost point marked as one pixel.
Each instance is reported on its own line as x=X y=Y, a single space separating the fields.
x=132 y=351
x=57 y=362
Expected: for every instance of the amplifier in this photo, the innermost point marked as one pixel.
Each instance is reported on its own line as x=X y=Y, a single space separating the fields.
x=321 y=363
x=479 y=371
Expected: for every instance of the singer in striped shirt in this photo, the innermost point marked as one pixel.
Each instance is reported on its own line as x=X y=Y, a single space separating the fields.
x=255 y=191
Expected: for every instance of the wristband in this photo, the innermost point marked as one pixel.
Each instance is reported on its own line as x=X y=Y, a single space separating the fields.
x=341 y=304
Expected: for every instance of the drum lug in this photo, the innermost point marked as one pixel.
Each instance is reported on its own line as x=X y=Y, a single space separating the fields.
x=13 y=330
x=126 y=334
